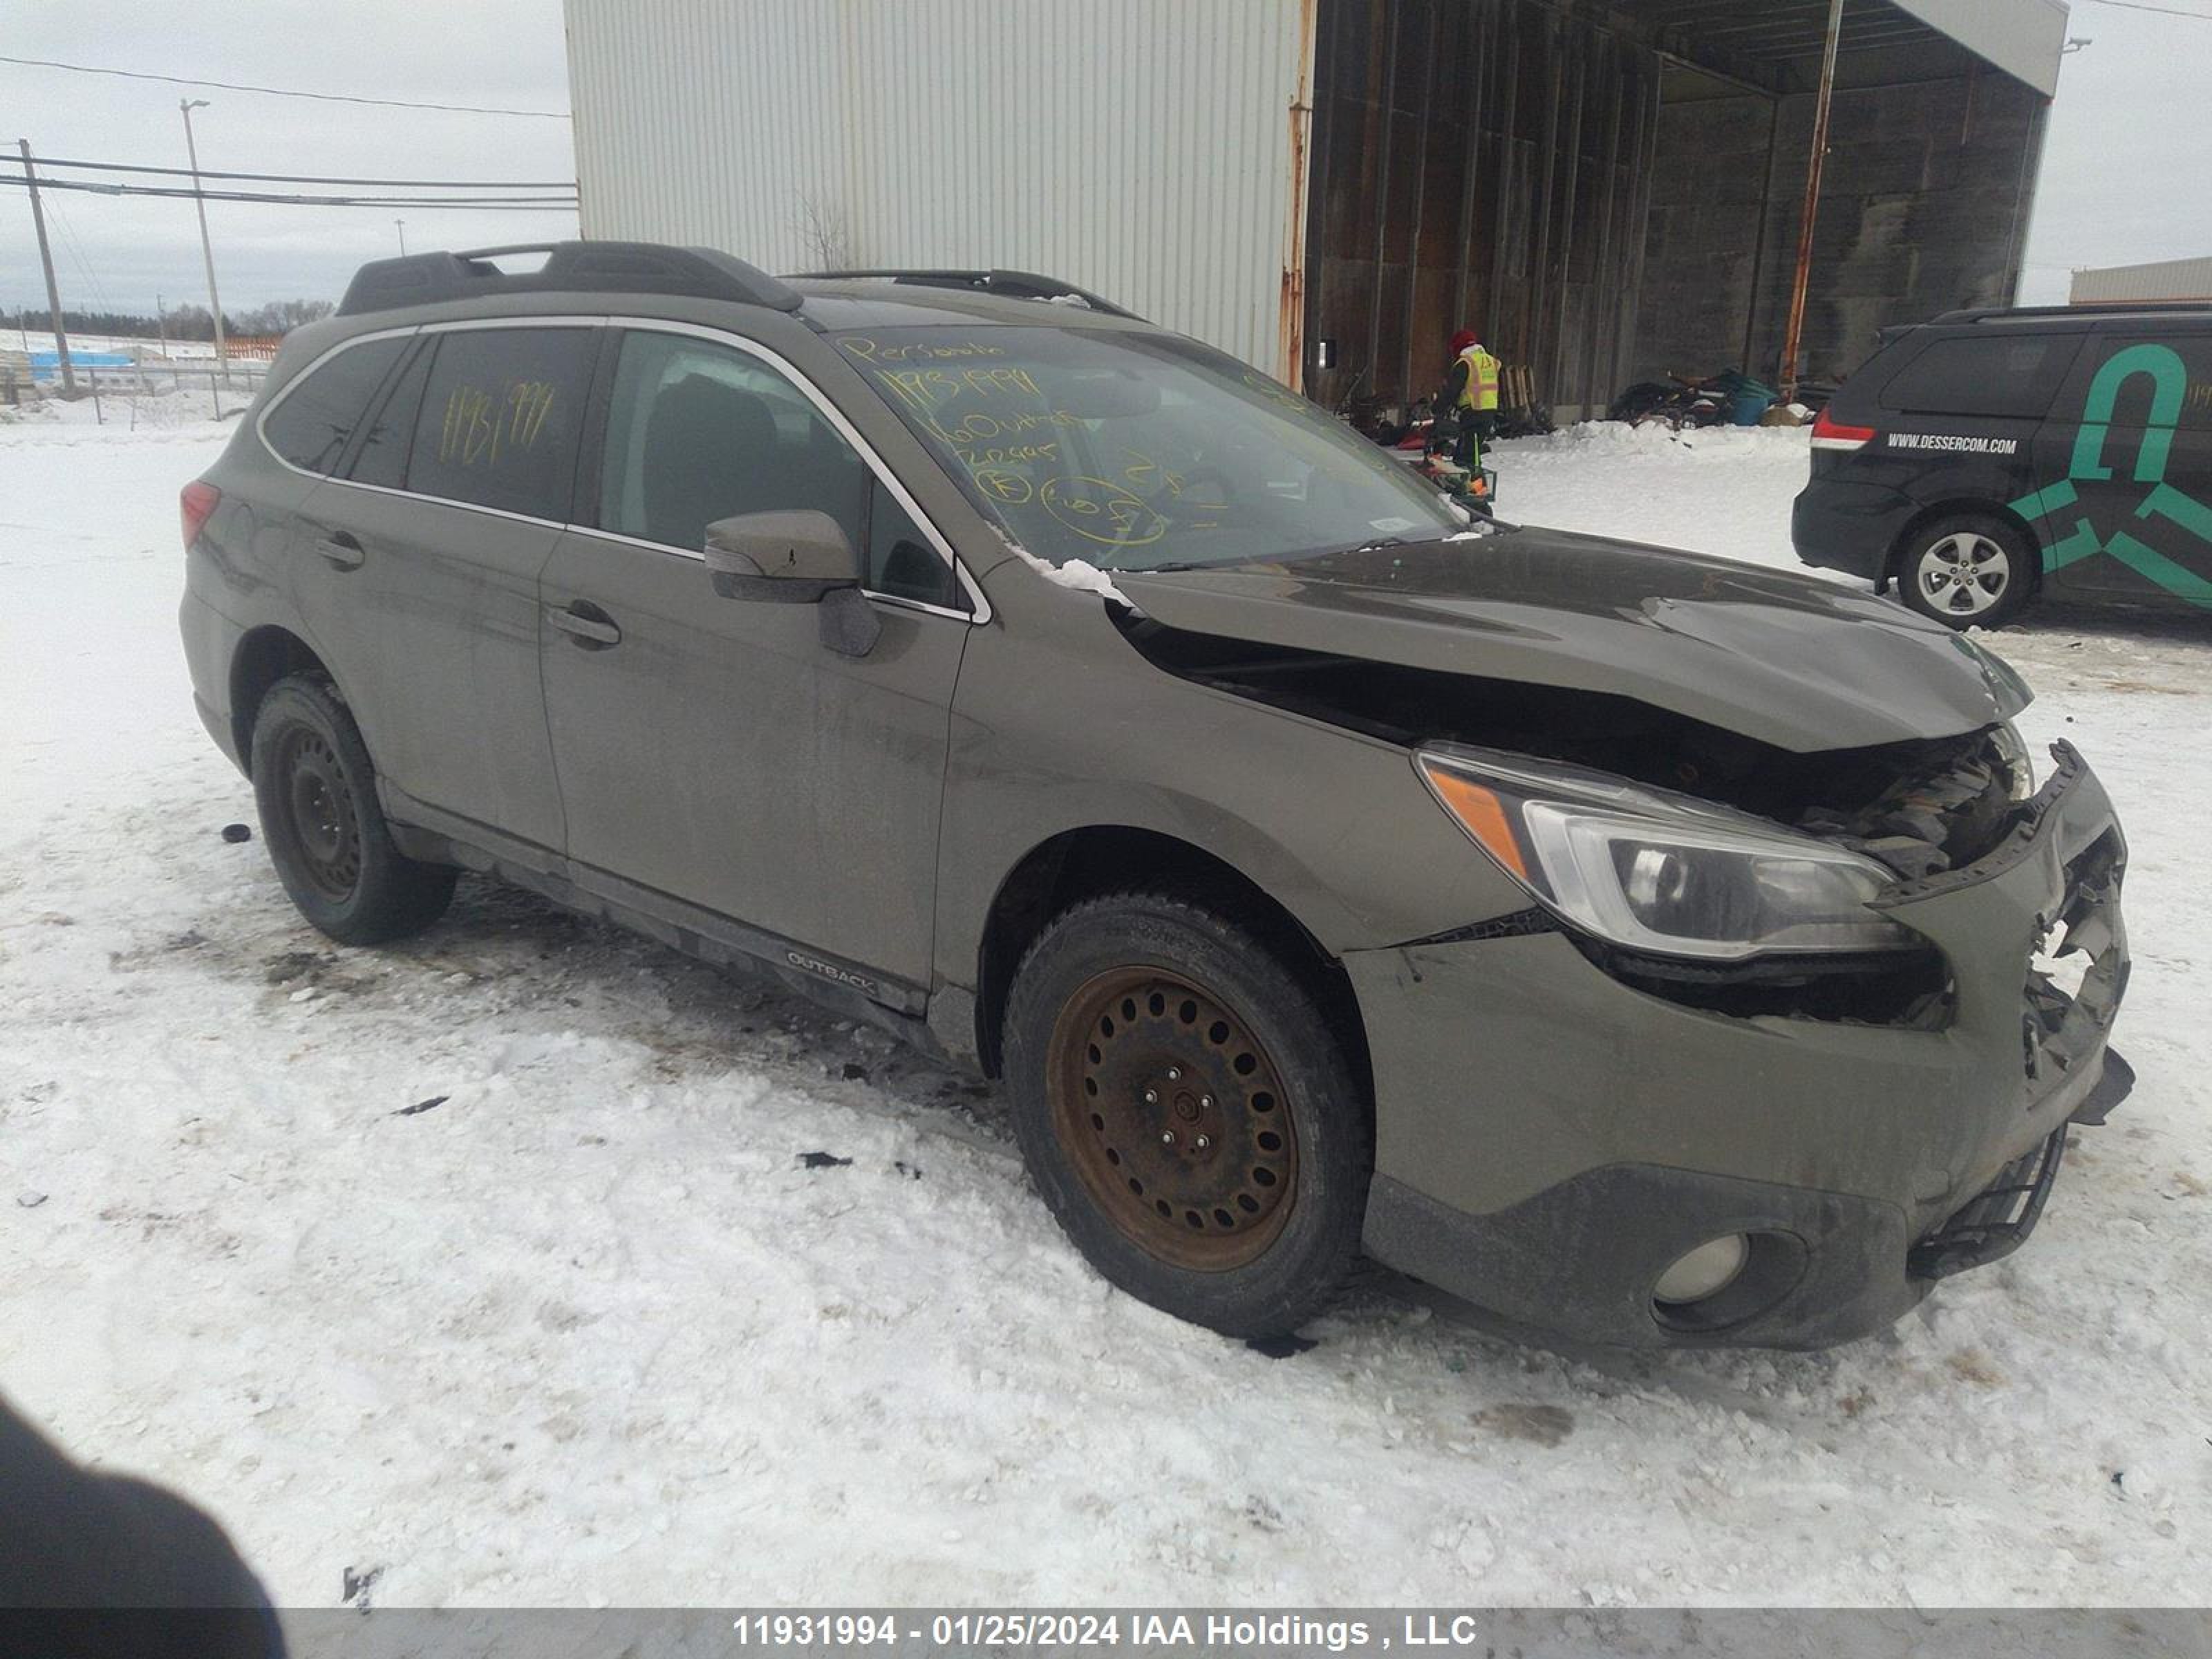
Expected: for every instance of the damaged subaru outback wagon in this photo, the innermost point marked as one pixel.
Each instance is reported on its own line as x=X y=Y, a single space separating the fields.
x=1650 y=950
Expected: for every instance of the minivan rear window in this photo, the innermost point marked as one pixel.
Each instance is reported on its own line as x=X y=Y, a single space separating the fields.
x=313 y=422
x=500 y=415
x=1989 y=374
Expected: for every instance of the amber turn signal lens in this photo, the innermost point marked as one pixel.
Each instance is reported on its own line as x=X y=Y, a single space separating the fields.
x=1480 y=814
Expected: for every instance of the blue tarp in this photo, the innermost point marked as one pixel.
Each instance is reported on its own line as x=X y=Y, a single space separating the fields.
x=47 y=365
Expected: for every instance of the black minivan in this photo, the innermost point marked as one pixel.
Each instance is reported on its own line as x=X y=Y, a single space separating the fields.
x=1981 y=459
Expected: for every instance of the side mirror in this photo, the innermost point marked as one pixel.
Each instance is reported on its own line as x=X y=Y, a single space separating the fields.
x=797 y=557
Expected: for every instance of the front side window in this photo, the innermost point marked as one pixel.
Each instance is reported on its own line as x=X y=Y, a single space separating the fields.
x=901 y=559
x=499 y=418
x=317 y=417
x=698 y=432
x=1140 y=451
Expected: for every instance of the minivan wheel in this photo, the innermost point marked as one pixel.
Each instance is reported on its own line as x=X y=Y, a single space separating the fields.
x=1968 y=571
x=325 y=833
x=1186 y=1110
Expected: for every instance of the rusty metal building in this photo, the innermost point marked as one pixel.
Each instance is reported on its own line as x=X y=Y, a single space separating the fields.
x=1329 y=188
x=1611 y=193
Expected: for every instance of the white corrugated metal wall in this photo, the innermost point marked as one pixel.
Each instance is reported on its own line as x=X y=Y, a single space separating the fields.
x=2165 y=279
x=1138 y=148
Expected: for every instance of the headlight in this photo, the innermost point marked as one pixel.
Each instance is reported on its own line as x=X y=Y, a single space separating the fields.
x=1657 y=872
x=2012 y=749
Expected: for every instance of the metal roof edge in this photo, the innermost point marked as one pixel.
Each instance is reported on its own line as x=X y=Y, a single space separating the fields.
x=2023 y=38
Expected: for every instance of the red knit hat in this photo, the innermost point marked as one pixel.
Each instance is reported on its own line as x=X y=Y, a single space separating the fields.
x=1463 y=340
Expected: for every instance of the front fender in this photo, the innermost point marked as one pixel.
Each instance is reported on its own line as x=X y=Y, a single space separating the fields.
x=1059 y=725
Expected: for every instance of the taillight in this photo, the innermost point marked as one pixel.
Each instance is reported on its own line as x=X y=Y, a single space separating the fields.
x=194 y=503
x=1830 y=433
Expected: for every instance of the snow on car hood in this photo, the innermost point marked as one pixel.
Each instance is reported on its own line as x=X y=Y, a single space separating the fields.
x=1791 y=660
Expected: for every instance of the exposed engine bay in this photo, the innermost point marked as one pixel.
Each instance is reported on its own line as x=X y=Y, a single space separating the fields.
x=1920 y=808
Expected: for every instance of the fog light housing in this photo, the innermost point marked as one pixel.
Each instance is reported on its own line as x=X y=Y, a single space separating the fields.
x=1704 y=1272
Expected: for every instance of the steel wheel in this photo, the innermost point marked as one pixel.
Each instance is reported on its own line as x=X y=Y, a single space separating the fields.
x=1965 y=574
x=1171 y=1113
x=318 y=813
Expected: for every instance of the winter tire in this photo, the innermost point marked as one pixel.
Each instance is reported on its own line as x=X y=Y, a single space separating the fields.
x=326 y=834
x=1185 y=1107
x=1968 y=571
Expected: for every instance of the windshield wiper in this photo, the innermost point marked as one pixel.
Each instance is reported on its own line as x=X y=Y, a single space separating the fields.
x=1298 y=557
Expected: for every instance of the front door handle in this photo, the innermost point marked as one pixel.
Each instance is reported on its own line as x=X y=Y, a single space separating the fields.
x=341 y=549
x=585 y=623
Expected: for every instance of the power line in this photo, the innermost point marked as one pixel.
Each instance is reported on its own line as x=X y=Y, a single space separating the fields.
x=76 y=254
x=284 y=92
x=533 y=203
x=311 y=179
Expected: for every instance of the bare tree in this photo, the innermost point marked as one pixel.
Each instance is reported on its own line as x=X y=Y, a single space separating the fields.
x=824 y=233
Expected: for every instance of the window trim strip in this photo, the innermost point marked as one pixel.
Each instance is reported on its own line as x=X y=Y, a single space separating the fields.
x=981 y=612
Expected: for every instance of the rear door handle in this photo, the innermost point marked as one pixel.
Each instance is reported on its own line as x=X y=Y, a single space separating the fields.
x=585 y=623
x=341 y=549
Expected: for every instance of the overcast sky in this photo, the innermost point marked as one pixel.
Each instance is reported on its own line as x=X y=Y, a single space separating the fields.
x=2125 y=174
x=119 y=253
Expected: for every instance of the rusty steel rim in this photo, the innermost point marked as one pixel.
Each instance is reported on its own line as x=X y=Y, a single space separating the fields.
x=1173 y=1115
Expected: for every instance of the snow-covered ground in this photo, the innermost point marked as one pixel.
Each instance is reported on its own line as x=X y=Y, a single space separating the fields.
x=130 y=401
x=586 y=1328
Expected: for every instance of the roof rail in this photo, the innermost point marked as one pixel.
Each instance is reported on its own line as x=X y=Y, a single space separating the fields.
x=1015 y=284
x=2087 y=308
x=702 y=273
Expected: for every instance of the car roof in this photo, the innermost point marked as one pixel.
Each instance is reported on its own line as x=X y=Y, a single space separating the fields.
x=484 y=281
x=2076 y=316
x=836 y=303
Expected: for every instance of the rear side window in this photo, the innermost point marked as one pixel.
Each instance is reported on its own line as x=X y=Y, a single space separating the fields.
x=1993 y=374
x=382 y=457
x=312 y=424
x=500 y=413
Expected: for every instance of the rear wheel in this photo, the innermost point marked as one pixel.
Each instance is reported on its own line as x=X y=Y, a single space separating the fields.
x=1968 y=571
x=324 y=831
x=1185 y=1108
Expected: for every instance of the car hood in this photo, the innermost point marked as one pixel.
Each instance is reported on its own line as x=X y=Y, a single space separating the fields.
x=1791 y=660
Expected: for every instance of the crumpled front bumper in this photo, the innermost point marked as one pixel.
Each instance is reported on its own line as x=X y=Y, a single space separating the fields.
x=1549 y=1140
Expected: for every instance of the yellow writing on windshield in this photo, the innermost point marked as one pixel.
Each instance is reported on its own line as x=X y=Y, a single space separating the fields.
x=925 y=389
x=907 y=351
x=1099 y=510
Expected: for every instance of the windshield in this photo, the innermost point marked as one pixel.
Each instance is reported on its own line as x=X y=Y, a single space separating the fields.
x=1141 y=451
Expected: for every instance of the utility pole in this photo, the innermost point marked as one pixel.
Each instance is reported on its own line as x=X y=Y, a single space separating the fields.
x=161 y=325
x=401 y=225
x=1794 y=335
x=207 y=247
x=47 y=259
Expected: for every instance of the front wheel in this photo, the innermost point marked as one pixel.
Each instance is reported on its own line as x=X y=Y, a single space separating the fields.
x=325 y=833
x=1970 y=571
x=1185 y=1108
